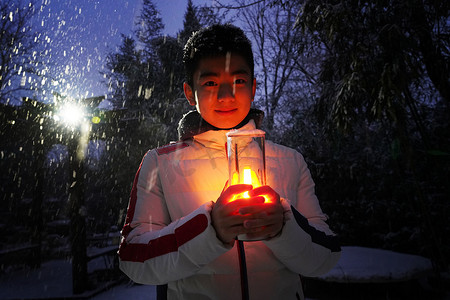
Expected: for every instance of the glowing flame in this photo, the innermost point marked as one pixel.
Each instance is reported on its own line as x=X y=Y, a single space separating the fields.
x=247 y=176
x=247 y=180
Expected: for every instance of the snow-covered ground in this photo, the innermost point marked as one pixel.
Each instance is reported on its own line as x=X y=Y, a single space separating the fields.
x=52 y=280
x=357 y=264
x=128 y=291
x=360 y=264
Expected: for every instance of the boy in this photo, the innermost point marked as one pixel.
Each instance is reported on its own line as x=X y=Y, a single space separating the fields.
x=180 y=229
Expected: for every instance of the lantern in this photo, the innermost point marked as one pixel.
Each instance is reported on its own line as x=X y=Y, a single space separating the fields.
x=246 y=157
x=246 y=160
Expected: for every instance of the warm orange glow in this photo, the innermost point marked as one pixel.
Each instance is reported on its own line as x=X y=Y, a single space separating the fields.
x=247 y=180
x=249 y=177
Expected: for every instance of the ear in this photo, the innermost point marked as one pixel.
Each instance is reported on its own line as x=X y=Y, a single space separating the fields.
x=189 y=94
x=254 y=89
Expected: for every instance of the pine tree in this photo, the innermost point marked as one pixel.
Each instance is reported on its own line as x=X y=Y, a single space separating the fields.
x=125 y=74
x=18 y=43
x=149 y=25
x=191 y=23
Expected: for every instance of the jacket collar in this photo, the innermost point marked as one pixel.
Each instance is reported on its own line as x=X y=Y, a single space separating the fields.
x=217 y=139
x=193 y=124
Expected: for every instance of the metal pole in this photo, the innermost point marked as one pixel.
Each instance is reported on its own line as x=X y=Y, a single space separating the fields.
x=77 y=215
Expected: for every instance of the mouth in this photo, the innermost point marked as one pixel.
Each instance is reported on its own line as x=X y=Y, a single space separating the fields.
x=226 y=111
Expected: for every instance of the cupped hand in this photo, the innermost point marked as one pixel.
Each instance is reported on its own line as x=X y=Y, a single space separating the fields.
x=226 y=217
x=263 y=220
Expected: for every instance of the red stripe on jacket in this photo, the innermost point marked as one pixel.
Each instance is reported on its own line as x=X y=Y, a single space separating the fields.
x=165 y=244
x=132 y=204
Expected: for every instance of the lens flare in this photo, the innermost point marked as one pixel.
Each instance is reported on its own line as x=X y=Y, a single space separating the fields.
x=70 y=114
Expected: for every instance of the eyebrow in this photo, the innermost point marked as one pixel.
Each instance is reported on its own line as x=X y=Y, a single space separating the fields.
x=214 y=74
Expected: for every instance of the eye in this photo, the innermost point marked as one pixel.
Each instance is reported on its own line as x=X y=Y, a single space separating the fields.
x=240 y=81
x=210 y=83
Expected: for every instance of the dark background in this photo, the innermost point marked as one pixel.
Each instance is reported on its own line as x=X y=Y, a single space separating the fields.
x=360 y=89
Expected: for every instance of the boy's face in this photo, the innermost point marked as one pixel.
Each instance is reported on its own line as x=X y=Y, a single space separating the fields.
x=223 y=90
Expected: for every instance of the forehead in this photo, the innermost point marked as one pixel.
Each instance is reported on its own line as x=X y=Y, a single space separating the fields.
x=217 y=65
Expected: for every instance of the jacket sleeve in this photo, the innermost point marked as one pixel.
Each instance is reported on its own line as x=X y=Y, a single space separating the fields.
x=155 y=250
x=306 y=244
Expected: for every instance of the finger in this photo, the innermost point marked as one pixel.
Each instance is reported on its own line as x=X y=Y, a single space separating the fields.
x=226 y=234
x=235 y=205
x=268 y=208
x=263 y=232
x=255 y=230
x=258 y=208
x=250 y=201
x=238 y=229
x=241 y=202
x=232 y=191
x=253 y=224
x=260 y=219
x=265 y=189
x=258 y=233
x=238 y=189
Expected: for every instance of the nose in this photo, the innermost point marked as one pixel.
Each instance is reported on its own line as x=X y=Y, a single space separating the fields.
x=226 y=92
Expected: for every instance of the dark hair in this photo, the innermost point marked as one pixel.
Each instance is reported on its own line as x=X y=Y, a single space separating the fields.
x=216 y=40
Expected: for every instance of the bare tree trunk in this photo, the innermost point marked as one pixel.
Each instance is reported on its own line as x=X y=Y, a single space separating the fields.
x=276 y=46
x=437 y=66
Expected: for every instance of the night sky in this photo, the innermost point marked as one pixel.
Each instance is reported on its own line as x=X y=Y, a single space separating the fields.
x=79 y=35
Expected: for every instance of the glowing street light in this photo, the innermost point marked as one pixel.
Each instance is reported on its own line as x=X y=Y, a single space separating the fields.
x=74 y=117
x=70 y=114
x=80 y=125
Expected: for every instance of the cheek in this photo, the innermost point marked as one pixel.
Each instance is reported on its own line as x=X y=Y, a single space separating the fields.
x=200 y=105
x=207 y=98
x=197 y=102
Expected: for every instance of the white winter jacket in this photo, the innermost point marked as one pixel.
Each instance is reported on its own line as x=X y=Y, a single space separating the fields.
x=168 y=237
